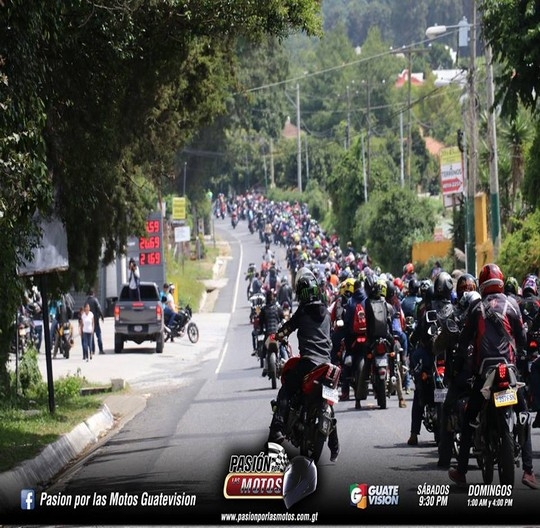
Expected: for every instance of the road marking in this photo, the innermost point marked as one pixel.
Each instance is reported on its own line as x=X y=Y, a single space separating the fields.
x=222 y=358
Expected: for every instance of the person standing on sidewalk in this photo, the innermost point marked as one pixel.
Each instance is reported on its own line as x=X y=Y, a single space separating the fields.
x=87 y=332
x=95 y=308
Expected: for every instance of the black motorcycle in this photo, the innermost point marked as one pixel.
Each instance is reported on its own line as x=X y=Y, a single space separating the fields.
x=182 y=324
x=311 y=414
x=495 y=435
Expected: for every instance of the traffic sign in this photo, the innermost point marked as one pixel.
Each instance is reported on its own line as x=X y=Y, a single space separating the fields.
x=179 y=208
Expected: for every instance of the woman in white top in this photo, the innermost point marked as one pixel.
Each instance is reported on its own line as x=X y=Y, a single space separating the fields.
x=87 y=332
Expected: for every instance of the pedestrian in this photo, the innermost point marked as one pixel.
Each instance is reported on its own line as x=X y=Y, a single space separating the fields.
x=134 y=280
x=95 y=308
x=87 y=332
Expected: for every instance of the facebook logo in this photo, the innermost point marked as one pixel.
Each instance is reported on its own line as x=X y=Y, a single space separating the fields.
x=28 y=499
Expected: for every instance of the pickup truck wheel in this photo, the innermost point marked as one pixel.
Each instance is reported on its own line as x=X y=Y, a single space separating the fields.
x=118 y=344
x=159 y=344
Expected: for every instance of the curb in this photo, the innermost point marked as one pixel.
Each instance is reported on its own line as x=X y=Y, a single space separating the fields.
x=53 y=458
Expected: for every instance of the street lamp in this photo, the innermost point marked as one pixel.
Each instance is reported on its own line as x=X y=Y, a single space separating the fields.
x=463 y=31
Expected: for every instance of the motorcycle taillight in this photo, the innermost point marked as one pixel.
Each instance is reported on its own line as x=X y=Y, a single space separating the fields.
x=503 y=376
x=380 y=348
x=533 y=344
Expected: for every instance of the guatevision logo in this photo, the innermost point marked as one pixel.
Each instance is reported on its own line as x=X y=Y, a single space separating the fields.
x=362 y=495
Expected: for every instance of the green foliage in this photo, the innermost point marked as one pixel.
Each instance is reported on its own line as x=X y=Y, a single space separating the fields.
x=511 y=28
x=388 y=225
x=29 y=374
x=520 y=250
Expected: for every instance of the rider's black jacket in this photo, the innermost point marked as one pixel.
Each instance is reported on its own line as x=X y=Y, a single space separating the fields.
x=271 y=317
x=312 y=320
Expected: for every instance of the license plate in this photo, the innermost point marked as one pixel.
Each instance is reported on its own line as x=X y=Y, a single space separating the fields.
x=22 y=331
x=439 y=395
x=137 y=328
x=381 y=362
x=260 y=337
x=505 y=397
x=330 y=394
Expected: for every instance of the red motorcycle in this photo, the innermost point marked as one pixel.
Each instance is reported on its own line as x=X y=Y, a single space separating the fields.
x=311 y=414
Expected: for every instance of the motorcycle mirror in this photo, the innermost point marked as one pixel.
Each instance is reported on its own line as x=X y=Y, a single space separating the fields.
x=431 y=316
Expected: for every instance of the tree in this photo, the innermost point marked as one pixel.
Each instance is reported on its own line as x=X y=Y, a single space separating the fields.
x=511 y=28
x=95 y=101
x=390 y=222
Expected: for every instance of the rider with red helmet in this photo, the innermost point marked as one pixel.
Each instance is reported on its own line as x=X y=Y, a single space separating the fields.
x=495 y=329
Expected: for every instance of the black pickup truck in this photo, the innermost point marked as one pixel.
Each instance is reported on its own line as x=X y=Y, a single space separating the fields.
x=139 y=321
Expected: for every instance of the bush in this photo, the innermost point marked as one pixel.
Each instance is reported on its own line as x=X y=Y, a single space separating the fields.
x=29 y=373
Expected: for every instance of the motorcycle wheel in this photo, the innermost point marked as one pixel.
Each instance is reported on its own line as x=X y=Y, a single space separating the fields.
x=379 y=387
x=486 y=463
x=272 y=373
x=260 y=353
x=506 y=458
x=193 y=332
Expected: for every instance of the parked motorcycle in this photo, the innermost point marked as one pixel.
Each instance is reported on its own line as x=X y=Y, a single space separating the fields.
x=23 y=334
x=311 y=414
x=63 y=339
x=183 y=324
x=494 y=438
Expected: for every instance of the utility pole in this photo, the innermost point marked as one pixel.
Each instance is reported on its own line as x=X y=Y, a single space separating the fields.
x=364 y=170
x=368 y=129
x=348 y=139
x=470 y=249
x=402 y=169
x=298 y=138
x=493 y=158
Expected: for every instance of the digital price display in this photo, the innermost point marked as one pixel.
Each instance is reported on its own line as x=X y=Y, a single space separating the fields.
x=147 y=250
x=150 y=246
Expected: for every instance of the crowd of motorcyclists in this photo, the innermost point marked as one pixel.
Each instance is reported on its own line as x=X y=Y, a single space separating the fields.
x=493 y=317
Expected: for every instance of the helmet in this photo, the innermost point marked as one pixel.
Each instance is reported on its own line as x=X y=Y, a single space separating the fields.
x=299 y=480
x=511 y=285
x=391 y=290
x=468 y=298
x=347 y=287
x=307 y=288
x=443 y=286
x=408 y=268
x=370 y=285
x=414 y=287
x=530 y=285
x=466 y=282
x=491 y=279
x=425 y=285
x=381 y=283
x=398 y=283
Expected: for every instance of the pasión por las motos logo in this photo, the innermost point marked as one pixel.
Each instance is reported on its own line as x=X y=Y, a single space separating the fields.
x=257 y=476
x=362 y=495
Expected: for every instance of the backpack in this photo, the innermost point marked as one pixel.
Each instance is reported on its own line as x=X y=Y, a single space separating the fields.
x=359 y=324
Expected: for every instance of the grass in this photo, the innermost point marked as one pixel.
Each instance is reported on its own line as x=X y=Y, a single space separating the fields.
x=27 y=426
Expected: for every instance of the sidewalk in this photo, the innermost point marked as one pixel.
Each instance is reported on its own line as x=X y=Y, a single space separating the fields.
x=139 y=367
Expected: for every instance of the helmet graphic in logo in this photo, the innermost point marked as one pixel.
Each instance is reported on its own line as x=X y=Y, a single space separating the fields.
x=299 y=480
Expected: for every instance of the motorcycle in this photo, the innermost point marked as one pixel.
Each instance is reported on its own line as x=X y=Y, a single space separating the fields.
x=374 y=367
x=250 y=274
x=24 y=334
x=183 y=324
x=494 y=437
x=311 y=414
x=257 y=301
x=63 y=339
x=396 y=371
x=434 y=392
x=234 y=220
x=277 y=354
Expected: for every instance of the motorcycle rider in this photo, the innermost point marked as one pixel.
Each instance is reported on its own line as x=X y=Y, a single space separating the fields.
x=353 y=351
x=494 y=328
x=529 y=304
x=467 y=295
x=285 y=293
x=312 y=321
x=337 y=313
x=270 y=319
x=398 y=326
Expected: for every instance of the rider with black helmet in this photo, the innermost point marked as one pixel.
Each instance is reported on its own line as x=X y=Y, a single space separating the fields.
x=312 y=320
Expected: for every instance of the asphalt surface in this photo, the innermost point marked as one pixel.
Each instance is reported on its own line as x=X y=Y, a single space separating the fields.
x=132 y=376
